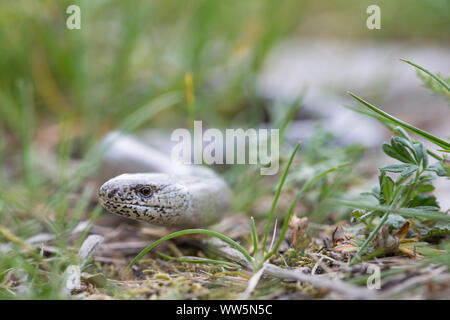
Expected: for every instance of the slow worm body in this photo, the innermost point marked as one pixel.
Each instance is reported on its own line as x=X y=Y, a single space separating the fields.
x=162 y=192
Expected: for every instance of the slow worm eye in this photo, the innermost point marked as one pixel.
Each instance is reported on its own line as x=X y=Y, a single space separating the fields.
x=145 y=191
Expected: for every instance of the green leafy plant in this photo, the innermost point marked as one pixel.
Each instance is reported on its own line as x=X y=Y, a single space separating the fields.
x=403 y=189
x=410 y=187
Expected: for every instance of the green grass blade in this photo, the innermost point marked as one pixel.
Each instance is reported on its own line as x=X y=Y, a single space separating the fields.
x=185 y=232
x=316 y=178
x=254 y=236
x=389 y=125
x=199 y=260
x=294 y=108
x=441 y=81
x=305 y=187
x=369 y=239
x=27 y=129
x=365 y=112
x=277 y=194
x=142 y=115
x=439 y=142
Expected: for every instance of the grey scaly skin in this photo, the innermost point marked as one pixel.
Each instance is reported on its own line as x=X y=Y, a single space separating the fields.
x=196 y=199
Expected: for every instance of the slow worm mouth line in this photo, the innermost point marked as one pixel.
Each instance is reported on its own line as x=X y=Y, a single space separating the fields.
x=107 y=201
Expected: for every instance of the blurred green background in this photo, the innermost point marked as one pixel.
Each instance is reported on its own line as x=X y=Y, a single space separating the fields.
x=147 y=64
x=129 y=52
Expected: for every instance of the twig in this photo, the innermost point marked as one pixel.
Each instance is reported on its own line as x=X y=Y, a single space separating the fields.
x=313 y=254
x=413 y=281
x=219 y=247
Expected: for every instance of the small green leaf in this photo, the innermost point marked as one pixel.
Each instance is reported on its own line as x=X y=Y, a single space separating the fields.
x=426 y=177
x=424 y=202
x=438 y=230
x=425 y=188
x=421 y=154
x=396 y=143
x=388 y=188
x=438 y=169
x=396 y=168
x=391 y=152
x=408 y=171
x=407 y=143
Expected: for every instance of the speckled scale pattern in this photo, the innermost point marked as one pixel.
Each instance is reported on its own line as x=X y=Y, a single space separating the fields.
x=174 y=200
